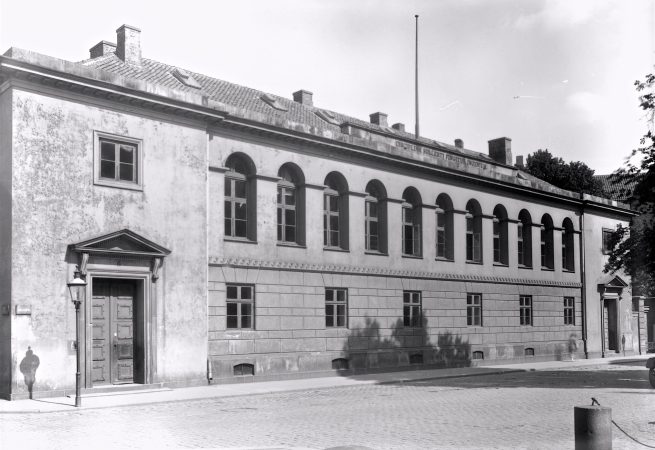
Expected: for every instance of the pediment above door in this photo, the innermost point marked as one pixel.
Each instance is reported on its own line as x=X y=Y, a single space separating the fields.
x=124 y=242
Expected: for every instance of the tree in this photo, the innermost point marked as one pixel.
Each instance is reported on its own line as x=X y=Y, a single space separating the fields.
x=574 y=176
x=634 y=247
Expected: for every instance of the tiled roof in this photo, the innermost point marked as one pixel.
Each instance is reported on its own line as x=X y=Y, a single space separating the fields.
x=620 y=190
x=246 y=98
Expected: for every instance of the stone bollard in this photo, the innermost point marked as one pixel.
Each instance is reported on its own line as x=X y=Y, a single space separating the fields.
x=593 y=427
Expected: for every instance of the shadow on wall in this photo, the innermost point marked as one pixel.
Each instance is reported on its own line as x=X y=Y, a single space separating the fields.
x=367 y=350
x=28 y=367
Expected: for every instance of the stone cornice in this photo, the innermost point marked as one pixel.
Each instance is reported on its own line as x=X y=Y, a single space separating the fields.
x=380 y=271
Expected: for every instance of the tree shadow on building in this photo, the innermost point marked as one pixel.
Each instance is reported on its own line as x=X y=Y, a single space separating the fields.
x=371 y=349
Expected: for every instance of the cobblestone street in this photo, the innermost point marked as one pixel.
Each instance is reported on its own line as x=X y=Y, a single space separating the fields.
x=517 y=410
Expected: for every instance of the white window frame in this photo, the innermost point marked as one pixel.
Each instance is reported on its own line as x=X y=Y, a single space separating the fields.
x=137 y=185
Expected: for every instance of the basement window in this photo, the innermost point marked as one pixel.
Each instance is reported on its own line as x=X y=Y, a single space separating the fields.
x=340 y=364
x=478 y=355
x=273 y=102
x=186 y=78
x=243 y=369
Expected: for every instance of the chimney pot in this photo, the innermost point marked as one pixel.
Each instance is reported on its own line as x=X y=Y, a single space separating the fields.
x=459 y=143
x=379 y=118
x=500 y=150
x=398 y=126
x=129 y=44
x=102 y=48
x=303 y=97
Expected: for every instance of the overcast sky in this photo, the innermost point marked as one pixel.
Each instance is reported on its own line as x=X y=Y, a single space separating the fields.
x=554 y=74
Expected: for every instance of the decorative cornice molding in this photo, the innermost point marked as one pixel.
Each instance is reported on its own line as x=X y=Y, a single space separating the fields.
x=380 y=271
x=263 y=177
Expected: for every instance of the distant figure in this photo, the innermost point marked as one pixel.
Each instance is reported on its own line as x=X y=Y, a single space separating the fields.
x=573 y=345
x=28 y=367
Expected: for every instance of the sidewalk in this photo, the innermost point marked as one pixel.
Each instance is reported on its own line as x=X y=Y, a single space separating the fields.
x=107 y=400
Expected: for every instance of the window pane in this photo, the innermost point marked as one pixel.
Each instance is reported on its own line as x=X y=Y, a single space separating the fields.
x=289 y=217
x=334 y=239
x=231 y=309
x=228 y=227
x=246 y=292
x=373 y=228
x=341 y=315
x=334 y=223
x=228 y=187
x=107 y=169
x=240 y=210
x=290 y=197
x=372 y=209
x=232 y=322
x=127 y=154
x=290 y=234
x=246 y=309
x=329 y=319
x=240 y=188
x=406 y=316
x=279 y=232
x=279 y=216
x=406 y=297
x=329 y=295
x=246 y=321
x=334 y=203
x=107 y=151
x=232 y=292
x=126 y=172
x=373 y=243
x=240 y=228
x=228 y=209
x=279 y=194
x=341 y=295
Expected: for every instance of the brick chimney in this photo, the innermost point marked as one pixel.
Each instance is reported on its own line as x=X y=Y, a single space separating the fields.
x=398 y=126
x=459 y=143
x=102 y=48
x=500 y=150
x=379 y=118
x=303 y=97
x=129 y=44
x=519 y=161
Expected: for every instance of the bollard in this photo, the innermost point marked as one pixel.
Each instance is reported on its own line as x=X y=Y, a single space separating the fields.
x=593 y=427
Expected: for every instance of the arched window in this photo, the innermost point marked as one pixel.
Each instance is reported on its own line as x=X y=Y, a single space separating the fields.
x=240 y=195
x=568 y=261
x=501 y=255
x=547 y=258
x=473 y=232
x=335 y=211
x=444 y=239
x=375 y=217
x=412 y=218
x=291 y=205
x=524 y=235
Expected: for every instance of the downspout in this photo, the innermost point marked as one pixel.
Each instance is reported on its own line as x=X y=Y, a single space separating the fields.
x=583 y=296
x=210 y=376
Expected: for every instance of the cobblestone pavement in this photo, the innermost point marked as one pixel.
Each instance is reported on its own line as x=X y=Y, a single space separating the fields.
x=519 y=410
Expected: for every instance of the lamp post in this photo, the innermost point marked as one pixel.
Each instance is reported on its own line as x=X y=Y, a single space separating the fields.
x=77 y=288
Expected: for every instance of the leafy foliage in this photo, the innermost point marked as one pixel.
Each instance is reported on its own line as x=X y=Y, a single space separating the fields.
x=634 y=247
x=574 y=176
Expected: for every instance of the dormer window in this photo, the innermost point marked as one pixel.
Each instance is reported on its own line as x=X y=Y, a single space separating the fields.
x=273 y=102
x=186 y=78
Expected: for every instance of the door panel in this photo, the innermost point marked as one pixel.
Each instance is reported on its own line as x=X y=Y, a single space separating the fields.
x=112 y=313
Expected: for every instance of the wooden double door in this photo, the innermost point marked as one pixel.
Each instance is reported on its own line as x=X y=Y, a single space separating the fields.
x=114 y=325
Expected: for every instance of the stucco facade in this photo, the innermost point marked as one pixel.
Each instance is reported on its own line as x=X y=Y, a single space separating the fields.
x=165 y=189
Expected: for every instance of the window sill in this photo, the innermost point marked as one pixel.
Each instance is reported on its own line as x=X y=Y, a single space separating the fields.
x=376 y=253
x=335 y=249
x=497 y=264
x=547 y=269
x=568 y=271
x=525 y=267
x=291 y=245
x=444 y=259
x=477 y=263
x=239 y=240
x=412 y=256
x=119 y=185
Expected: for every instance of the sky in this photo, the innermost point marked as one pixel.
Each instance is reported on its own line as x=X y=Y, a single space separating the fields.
x=549 y=74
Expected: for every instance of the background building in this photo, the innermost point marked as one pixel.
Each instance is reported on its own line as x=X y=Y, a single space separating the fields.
x=226 y=232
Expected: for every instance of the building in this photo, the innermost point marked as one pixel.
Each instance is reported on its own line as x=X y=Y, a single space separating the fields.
x=228 y=233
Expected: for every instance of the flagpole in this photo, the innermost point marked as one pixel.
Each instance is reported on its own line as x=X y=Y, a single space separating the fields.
x=416 y=77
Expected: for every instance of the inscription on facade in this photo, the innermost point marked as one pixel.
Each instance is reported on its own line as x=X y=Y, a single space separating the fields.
x=439 y=154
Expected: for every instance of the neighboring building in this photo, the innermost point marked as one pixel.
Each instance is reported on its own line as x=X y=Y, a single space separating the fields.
x=226 y=232
x=643 y=311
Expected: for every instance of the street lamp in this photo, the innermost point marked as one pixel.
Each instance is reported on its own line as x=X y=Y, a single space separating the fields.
x=77 y=288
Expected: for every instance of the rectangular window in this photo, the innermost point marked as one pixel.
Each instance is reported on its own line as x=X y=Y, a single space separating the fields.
x=607 y=240
x=336 y=307
x=117 y=161
x=496 y=229
x=372 y=225
x=286 y=213
x=240 y=303
x=519 y=246
x=525 y=309
x=331 y=218
x=236 y=205
x=569 y=311
x=412 y=309
x=473 y=240
x=474 y=310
